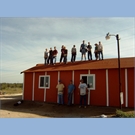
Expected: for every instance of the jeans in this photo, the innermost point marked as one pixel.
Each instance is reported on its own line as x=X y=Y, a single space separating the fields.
x=61 y=58
x=69 y=98
x=46 y=61
x=100 y=52
x=73 y=57
x=60 y=101
x=54 y=59
x=89 y=55
x=82 y=97
x=65 y=59
x=50 y=60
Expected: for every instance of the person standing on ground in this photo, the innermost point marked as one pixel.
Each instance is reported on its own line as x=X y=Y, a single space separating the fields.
x=100 y=50
x=45 y=56
x=65 y=55
x=83 y=93
x=83 y=50
x=89 y=48
x=62 y=54
x=55 y=52
x=60 y=87
x=71 y=88
x=73 y=53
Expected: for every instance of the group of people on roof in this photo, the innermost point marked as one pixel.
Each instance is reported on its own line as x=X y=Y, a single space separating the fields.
x=51 y=55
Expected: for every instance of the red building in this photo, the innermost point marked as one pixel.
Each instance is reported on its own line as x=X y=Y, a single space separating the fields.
x=102 y=76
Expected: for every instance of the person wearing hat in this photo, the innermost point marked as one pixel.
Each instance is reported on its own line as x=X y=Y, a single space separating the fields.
x=83 y=92
x=60 y=87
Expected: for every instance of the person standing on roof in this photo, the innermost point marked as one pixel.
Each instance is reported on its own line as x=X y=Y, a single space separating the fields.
x=100 y=50
x=96 y=51
x=83 y=50
x=89 y=48
x=73 y=53
x=50 y=58
x=55 y=52
x=65 y=55
x=62 y=54
x=45 y=56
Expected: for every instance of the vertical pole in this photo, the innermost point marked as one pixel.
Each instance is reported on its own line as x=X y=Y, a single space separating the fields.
x=119 y=71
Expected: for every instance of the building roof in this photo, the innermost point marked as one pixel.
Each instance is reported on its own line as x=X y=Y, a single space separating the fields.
x=85 y=65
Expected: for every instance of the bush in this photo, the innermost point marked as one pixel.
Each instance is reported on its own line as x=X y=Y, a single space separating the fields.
x=122 y=114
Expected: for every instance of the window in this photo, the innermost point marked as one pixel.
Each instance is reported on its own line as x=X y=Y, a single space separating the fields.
x=89 y=79
x=44 y=81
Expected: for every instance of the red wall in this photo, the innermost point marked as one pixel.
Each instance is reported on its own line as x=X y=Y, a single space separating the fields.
x=38 y=93
x=113 y=82
x=51 y=94
x=28 y=83
x=123 y=85
x=113 y=85
x=98 y=96
x=131 y=94
x=65 y=78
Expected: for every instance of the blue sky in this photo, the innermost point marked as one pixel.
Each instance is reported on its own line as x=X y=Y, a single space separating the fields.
x=23 y=40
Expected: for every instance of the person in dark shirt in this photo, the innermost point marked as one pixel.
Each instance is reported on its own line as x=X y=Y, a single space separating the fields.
x=89 y=47
x=55 y=52
x=96 y=51
x=62 y=54
x=65 y=55
x=50 y=58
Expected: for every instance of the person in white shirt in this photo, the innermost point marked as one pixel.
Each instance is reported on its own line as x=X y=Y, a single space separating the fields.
x=83 y=93
x=100 y=50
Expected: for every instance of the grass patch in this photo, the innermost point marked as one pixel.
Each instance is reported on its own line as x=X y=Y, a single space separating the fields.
x=121 y=114
x=11 y=90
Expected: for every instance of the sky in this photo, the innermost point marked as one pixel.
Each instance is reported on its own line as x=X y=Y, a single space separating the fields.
x=24 y=40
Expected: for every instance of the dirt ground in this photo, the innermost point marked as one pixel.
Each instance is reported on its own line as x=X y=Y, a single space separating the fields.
x=30 y=109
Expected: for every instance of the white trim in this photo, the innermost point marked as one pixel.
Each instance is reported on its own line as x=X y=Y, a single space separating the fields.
x=126 y=88
x=23 y=86
x=48 y=81
x=45 y=89
x=73 y=83
x=107 y=90
x=94 y=87
x=58 y=81
x=89 y=92
x=33 y=87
